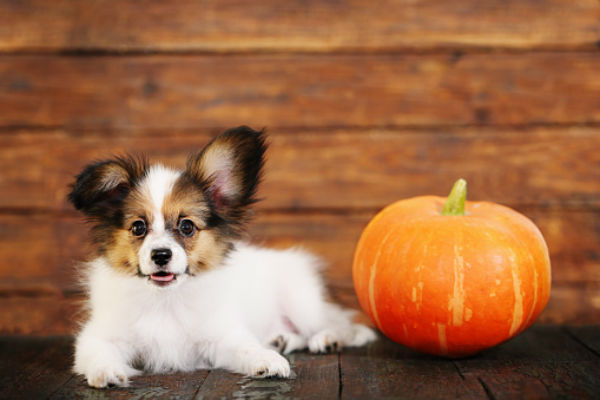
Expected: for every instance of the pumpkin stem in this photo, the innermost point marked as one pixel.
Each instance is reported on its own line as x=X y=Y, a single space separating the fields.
x=455 y=204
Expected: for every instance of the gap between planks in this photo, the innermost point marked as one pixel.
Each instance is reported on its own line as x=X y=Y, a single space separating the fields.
x=76 y=131
x=464 y=49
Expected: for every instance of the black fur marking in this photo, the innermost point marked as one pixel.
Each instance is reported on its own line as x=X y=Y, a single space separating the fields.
x=214 y=220
x=247 y=148
x=100 y=189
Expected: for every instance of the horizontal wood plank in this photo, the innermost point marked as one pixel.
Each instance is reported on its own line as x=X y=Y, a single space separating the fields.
x=338 y=170
x=49 y=248
x=34 y=25
x=41 y=315
x=287 y=90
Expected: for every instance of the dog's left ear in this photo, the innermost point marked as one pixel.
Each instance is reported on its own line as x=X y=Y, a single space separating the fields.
x=229 y=170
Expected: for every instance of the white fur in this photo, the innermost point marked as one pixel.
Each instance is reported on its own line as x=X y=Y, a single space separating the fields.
x=239 y=316
x=157 y=184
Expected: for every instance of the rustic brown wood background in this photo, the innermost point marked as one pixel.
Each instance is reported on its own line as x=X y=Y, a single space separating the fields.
x=365 y=102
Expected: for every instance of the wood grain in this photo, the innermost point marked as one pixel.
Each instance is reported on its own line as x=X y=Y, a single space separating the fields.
x=316 y=377
x=543 y=362
x=387 y=370
x=44 y=367
x=219 y=26
x=587 y=336
x=338 y=170
x=288 y=90
x=511 y=370
x=41 y=314
x=179 y=385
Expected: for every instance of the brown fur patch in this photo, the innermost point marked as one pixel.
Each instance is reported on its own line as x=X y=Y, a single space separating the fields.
x=206 y=251
x=122 y=250
x=186 y=200
x=138 y=205
x=207 y=246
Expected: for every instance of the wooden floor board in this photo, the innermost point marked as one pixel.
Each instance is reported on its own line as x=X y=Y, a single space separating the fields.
x=387 y=370
x=39 y=367
x=173 y=386
x=588 y=336
x=314 y=377
x=544 y=362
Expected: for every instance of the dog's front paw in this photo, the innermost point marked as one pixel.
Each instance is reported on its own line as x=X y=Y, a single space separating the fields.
x=287 y=342
x=268 y=363
x=109 y=376
x=325 y=341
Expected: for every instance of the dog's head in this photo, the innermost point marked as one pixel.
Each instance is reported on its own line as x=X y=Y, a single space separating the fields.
x=165 y=225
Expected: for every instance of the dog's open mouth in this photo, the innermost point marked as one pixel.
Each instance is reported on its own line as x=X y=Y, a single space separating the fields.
x=163 y=278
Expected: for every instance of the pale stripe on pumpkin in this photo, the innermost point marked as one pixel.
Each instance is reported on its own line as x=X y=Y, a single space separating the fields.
x=457 y=302
x=535 y=289
x=517 y=317
x=372 y=281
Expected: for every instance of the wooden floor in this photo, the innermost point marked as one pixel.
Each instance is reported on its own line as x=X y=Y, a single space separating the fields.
x=544 y=362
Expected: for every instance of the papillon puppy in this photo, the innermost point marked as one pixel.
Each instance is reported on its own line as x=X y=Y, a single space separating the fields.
x=173 y=288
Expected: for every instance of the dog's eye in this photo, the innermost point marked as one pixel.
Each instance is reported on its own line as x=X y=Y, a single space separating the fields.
x=138 y=228
x=186 y=227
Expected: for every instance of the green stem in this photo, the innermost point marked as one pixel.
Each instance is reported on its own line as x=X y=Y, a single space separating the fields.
x=455 y=204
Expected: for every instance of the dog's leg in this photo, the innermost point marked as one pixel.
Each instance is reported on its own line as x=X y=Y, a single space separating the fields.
x=324 y=326
x=338 y=331
x=102 y=362
x=244 y=354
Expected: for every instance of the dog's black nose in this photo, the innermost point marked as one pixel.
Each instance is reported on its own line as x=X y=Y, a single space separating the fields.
x=161 y=256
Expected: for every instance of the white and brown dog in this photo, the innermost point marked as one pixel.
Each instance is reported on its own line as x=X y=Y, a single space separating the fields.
x=172 y=288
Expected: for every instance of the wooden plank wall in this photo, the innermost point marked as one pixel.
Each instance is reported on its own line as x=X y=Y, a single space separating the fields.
x=365 y=103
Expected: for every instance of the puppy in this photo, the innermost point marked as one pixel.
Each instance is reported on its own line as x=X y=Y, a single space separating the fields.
x=173 y=288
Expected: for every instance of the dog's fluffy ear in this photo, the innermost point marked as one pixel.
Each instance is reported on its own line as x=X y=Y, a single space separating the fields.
x=229 y=170
x=99 y=190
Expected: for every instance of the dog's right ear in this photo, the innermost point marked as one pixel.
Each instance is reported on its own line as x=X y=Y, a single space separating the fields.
x=99 y=190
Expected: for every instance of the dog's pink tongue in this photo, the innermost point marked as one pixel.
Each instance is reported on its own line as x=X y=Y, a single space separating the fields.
x=162 y=278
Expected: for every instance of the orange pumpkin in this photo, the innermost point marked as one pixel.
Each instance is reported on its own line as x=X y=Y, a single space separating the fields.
x=450 y=277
